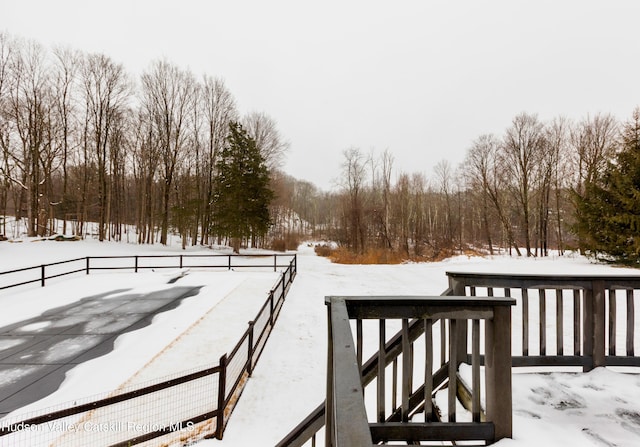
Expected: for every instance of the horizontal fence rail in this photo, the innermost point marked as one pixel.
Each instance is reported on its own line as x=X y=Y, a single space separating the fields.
x=581 y=321
x=40 y=274
x=186 y=407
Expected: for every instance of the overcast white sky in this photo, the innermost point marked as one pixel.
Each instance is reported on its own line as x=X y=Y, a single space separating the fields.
x=421 y=78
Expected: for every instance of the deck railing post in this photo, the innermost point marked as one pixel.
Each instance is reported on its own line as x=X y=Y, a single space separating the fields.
x=598 y=310
x=461 y=349
x=329 y=410
x=498 y=372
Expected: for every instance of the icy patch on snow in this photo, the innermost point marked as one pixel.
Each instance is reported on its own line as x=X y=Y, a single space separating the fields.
x=69 y=347
x=9 y=343
x=8 y=376
x=35 y=326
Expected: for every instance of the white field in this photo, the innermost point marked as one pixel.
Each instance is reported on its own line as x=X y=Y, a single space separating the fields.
x=557 y=409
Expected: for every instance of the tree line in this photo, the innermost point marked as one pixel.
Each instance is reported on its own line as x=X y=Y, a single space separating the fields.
x=82 y=141
x=527 y=191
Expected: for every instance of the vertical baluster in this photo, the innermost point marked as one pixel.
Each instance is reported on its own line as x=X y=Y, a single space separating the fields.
x=453 y=366
x=381 y=385
x=472 y=290
x=359 y=345
x=543 y=321
x=612 y=322
x=411 y=358
x=428 y=370
x=489 y=291
x=406 y=370
x=394 y=392
x=577 y=331
x=630 y=323
x=443 y=343
x=475 y=370
x=525 y=322
x=559 y=323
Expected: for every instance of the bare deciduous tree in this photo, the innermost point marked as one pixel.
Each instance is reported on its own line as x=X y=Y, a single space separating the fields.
x=263 y=129
x=168 y=97
x=354 y=170
x=523 y=149
x=106 y=92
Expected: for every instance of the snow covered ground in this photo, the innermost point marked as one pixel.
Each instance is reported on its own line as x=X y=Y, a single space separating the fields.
x=600 y=408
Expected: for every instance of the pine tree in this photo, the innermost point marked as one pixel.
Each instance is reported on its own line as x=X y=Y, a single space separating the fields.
x=241 y=192
x=609 y=211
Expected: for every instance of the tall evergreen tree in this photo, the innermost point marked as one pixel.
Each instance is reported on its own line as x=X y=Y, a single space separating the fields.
x=609 y=212
x=241 y=191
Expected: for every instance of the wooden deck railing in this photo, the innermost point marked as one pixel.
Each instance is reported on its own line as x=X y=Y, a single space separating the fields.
x=565 y=320
x=560 y=320
x=395 y=420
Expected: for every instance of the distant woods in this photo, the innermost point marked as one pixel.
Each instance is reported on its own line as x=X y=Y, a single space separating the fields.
x=539 y=186
x=82 y=141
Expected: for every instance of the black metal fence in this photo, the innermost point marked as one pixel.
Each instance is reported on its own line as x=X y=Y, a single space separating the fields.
x=185 y=407
x=44 y=272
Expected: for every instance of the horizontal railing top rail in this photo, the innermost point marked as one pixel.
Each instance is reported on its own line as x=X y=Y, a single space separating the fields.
x=533 y=281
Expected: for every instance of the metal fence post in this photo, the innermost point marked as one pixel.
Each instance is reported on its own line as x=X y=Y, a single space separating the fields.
x=271 y=308
x=229 y=262
x=250 y=364
x=180 y=261
x=136 y=264
x=88 y=259
x=222 y=383
x=275 y=263
x=42 y=275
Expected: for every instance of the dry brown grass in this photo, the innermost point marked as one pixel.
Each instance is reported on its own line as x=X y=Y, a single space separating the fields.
x=289 y=242
x=342 y=255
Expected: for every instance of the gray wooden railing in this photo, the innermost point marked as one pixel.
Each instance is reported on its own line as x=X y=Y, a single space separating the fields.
x=578 y=320
x=581 y=321
x=346 y=418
